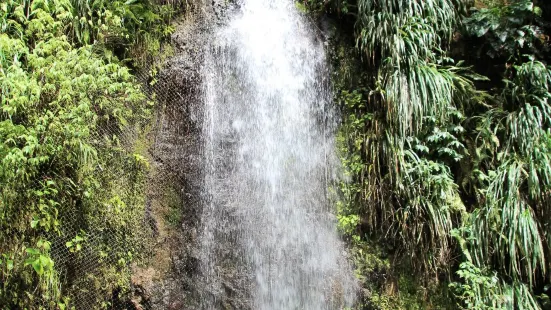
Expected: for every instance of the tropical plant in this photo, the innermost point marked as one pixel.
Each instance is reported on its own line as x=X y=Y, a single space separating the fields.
x=410 y=132
x=430 y=157
x=510 y=30
x=71 y=175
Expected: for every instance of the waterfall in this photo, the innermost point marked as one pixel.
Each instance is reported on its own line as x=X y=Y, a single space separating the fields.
x=268 y=224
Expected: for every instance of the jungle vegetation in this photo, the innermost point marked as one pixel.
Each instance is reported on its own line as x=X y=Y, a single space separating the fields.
x=446 y=143
x=72 y=152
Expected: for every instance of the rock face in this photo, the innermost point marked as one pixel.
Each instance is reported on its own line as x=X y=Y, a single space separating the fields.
x=179 y=275
x=171 y=279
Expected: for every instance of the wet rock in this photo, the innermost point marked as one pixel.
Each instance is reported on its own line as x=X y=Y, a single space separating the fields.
x=171 y=278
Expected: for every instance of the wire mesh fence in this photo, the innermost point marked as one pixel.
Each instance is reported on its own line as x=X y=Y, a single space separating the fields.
x=94 y=249
x=98 y=276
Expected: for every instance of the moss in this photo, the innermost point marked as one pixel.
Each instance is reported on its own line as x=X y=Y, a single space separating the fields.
x=173 y=213
x=301 y=7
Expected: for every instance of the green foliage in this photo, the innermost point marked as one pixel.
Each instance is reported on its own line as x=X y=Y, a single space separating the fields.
x=435 y=167
x=75 y=245
x=481 y=291
x=508 y=228
x=173 y=214
x=403 y=128
x=135 y=27
x=510 y=30
x=416 y=202
x=68 y=120
x=387 y=286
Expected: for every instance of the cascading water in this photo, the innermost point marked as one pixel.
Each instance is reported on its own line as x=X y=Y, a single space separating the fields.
x=269 y=149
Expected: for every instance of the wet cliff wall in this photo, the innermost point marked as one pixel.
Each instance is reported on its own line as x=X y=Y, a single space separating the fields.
x=170 y=279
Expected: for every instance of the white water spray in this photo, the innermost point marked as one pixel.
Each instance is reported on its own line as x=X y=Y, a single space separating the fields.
x=270 y=159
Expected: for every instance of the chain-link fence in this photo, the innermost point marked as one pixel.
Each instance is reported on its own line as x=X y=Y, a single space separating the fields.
x=104 y=260
x=95 y=248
